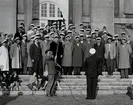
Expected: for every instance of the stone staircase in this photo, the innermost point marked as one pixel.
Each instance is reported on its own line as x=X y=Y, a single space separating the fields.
x=76 y=85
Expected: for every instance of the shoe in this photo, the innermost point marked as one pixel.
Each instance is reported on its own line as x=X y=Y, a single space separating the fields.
x=88 y=98
x=121 y=77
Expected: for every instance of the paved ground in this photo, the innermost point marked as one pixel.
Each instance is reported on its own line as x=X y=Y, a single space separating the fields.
x=70 y=100
x=6 y=99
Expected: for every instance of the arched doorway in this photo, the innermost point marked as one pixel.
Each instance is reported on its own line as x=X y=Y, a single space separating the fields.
x=49 y=12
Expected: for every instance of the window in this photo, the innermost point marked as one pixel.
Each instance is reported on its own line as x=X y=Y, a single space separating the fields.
x=49 y=11
x=52 y=10
x=59 y=13
x=44 y=10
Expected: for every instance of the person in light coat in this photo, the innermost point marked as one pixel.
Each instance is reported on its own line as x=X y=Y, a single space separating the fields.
x=15 y=54
x=110 y=54
x=67 y=56
x=4 y=59
x=124 y=61
x=4 y=63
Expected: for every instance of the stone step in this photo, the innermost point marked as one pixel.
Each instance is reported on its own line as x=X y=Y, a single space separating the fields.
x=67 y=92
x=81 y=77
x=67 y=87
x=80 y=87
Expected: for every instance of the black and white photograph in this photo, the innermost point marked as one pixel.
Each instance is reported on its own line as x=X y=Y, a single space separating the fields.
x=66 y=52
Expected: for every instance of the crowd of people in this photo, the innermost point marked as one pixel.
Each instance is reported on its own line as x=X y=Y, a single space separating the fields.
x=40 y=49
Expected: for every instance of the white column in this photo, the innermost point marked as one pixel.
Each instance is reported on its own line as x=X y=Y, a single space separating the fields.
x=8 y=16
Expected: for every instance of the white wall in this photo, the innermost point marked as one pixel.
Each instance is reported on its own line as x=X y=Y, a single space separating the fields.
x=8 y=16
x=63 y=5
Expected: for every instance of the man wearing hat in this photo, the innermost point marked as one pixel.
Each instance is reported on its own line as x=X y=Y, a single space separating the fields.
x=70 y=26
x=100 y=49
x=24 y=53
x=110 y=54
x=88 y=31
x=74 y=31
x=81 y=26
x=36 y=57
x=55 y=27
x=30 y=31
x=16 y=57
x=130 y=42
x=123 y=34
x=51 y=29
x=87 y=46
x=77 y=55
x=70 y=33
x=57 y=48
x=42 y=33
x=82 y=38
x=93 y=35
x=45 y=46
x=103 y=31
x=97 y=32
x=82 y=31
x=29 y=62
x=19 y=33
x=117 y=44
x=91 y=68
x=67 y=56
x=124 y=52
x=47 y=30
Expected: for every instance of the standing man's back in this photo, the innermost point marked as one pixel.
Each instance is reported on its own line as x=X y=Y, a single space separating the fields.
x=91 y=67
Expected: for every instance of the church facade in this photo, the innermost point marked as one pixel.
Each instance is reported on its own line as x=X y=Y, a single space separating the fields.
x=116 y=15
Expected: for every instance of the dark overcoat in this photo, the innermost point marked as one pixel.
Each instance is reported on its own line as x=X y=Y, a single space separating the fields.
x=77 y=54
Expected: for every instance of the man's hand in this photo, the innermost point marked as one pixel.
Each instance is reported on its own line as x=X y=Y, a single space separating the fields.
x=55 y=58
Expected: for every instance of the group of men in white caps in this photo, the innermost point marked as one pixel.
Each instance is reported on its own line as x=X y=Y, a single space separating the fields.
x=30 y=52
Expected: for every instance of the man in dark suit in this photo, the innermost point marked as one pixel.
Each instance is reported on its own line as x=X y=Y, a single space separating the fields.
x=36 y=57
x=100 y=49
x=91 y=67
x=57 y=48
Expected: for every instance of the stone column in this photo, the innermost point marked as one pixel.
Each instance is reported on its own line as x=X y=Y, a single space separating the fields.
x=8 y=16
x=102 y=14
x=28 y=13
x=77 y=13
